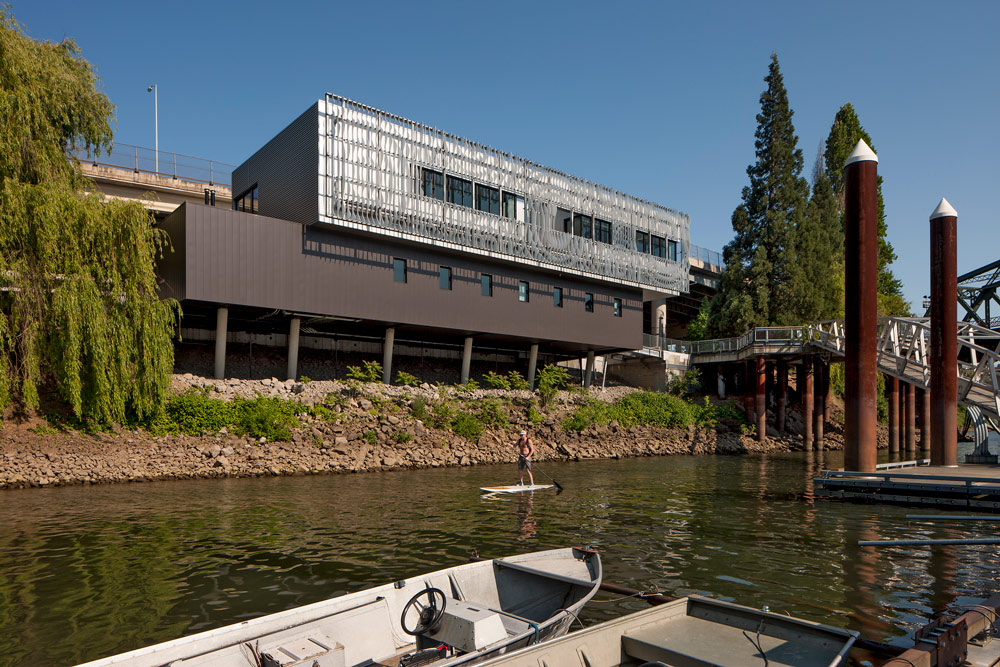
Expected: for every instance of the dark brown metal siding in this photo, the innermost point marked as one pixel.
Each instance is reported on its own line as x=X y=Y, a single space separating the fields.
x=241 y=259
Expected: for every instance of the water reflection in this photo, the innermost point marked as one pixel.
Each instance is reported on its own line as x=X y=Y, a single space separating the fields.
x=89 y=571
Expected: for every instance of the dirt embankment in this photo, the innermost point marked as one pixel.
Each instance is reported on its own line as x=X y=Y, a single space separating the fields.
x=371 y=432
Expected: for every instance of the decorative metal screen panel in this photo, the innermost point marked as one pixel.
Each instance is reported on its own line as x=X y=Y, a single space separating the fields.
x=370 y=177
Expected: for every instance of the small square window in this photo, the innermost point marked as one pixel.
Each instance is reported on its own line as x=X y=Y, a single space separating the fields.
x=399 y=270
x=459 y=191
x=583 y=225
x=602 y=230
x=557 y=297
x=672 y=250
x=432 y=183
x=658 y=246
x=486 y=282
x=618 y=307
x=445 y=277
x=564 y=220
x=588 y=302
x=522 y=291
x=642 y=241
x=487 y=199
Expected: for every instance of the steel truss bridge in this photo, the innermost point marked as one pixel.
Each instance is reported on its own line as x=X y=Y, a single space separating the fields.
x=903 y=352
x=977 y=291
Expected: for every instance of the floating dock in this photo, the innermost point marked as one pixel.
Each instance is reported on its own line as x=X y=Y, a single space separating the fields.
x=974 y=487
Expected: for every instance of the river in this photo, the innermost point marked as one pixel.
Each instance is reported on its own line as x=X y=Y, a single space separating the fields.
x=90 y=571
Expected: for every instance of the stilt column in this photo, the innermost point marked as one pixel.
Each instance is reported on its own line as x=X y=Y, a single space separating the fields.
x=533 y=364
x=805 y=381
x=466 y=360
x=590 y=370
x=944 y=330
x=926 y=423
x=221 y=325
x=892 y=398
x=760 y=397
x=819 y=402
x=910 y=417
x=861 y=313
x=293 y=349
x=779 y=408
x=390 y=337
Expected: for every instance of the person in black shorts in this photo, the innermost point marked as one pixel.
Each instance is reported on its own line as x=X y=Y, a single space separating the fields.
x=525 y=449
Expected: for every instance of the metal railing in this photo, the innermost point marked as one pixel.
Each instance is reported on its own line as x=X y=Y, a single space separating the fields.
x=656 y=342
x=705 y=255
x=160 y=163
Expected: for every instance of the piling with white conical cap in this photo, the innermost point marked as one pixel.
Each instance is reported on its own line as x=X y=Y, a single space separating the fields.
x=944 y=335
x=860 y=307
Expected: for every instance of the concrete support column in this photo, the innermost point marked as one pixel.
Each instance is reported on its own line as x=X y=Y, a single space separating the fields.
x=748 y=401
x=892 y=398
x=910 y=417
x=805 y=381
x=466 y=360
x=819 y=402
x=779 y=411
x=861 y=312
x=221 y=324
x=927 y=423
x=533 y=364
x=293 y=349
x=943 y=342
x=769 y=386
x=660 y=317
x=390 y=337
x=590 y=370
x=760 y=397
x=824 y=399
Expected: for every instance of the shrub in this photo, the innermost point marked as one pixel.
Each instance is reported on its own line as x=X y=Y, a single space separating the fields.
x=419 y=408
x=402 y=436
x=369 y=437
x=370 y=371
x=470 y=385
x=516 y=381
x=550 y=380
x=194 y=413
x=305 y=379
x=496 y=381
x=493 y=414
x=261 y=417
x=534 y=416
x=686 y=383
x=466 y=425
x=444 y=414
x=406 y=379
x=591 y=412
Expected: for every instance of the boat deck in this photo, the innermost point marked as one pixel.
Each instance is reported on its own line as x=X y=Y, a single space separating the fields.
x=971 y=486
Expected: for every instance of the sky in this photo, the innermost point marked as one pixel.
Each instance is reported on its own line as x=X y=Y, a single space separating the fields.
x=656 y=99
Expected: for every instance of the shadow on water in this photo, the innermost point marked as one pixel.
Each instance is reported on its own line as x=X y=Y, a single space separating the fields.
x=90 y=571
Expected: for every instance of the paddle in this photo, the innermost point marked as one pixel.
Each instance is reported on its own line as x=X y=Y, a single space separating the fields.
x=534 y=466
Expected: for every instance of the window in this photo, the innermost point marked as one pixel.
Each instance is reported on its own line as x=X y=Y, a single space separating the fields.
x=399 y=270
x=564 y=220
x=432 y=183
x=557 y=297
x=247 y=201
x=460 y=191
x=588 y=302
x=487 y=199
x=444 y=276
x=658 y=247
x=513 y=206
x=641 y=242
x=583 y=225
x=618 y=307
x=602 y=230
x=486 y=284
x=672 y=250
x=522 y=291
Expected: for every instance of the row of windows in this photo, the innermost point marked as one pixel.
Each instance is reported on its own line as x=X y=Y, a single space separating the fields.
x=486 y=287
x=463 y=192
x=245 y=202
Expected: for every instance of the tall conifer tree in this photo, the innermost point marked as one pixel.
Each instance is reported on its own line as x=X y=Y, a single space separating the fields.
x=757 y=287
x=843 y=137
x=819 y=255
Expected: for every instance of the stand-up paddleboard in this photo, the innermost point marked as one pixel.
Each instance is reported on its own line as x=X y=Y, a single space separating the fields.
x=515 y=488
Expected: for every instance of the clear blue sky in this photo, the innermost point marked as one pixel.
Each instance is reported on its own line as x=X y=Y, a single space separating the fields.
x=657 y=99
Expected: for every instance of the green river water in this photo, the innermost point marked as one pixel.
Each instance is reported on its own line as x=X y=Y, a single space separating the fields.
x=90 y=571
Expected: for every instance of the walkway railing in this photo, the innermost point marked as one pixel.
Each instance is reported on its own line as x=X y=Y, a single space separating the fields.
x=705 y=255
x=160 y=163
x=652 y=341
x=903 y=352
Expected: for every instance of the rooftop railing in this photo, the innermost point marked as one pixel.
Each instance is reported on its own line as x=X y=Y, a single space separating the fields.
x=705 y=255
x=160 y=163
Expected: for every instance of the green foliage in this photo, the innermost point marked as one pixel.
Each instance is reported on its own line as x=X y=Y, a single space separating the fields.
x=418 y=408
x=369 y=371
x=534 y=416
x=686 y=383
x=517 y=381
x=550 y=380
x=194 y=413
x=443 y=415
x=324 y=413
x=369 y=437
x=641 y=408
x=496 y=381
x=698 y=327
x=493 y=414
x=761 y=267
x=470 y=385
x=305 y=379
x=82 y=310
x=466 y=425
x=265 y=417
x=406 y=379
x=401 y=437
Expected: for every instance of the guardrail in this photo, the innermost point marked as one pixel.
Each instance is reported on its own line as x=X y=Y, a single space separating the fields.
x=656 y=342
x=160 y=163
x=705 y=255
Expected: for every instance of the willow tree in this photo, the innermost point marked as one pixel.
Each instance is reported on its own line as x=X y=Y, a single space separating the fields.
x=79 y=311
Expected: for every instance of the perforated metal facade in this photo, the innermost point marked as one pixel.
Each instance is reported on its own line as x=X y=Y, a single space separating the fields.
x=371 y=170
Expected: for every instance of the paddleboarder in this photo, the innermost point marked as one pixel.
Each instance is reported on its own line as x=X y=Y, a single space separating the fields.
x=525 y=449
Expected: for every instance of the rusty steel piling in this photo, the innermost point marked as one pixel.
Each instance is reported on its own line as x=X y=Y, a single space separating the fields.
x=943 y=342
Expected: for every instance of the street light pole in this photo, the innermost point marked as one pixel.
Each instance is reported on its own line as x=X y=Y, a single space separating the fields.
x=156 y=125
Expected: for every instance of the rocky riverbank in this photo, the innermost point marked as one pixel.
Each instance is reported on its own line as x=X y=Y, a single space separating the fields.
x=372 y=431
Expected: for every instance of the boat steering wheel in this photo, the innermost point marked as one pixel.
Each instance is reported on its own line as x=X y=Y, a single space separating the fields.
x=430 y=613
